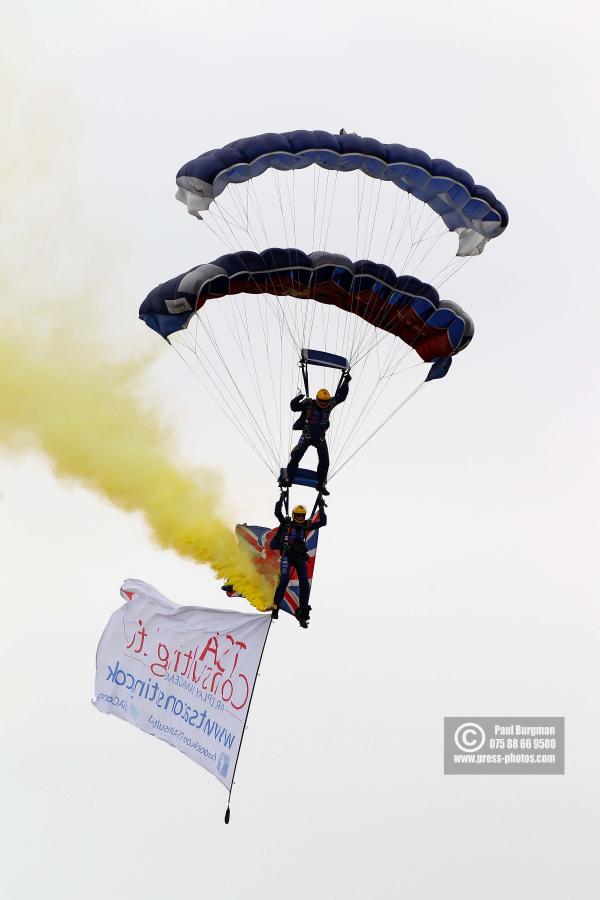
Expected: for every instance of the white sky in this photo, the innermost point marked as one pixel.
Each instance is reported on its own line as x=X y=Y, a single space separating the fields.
x=459 y=572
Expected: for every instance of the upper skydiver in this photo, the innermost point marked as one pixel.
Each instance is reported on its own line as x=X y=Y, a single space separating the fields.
x=313 y=423
x=290 y=540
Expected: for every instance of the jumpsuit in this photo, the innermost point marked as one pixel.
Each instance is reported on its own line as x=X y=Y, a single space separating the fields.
x=291 y=540
x=313 y=423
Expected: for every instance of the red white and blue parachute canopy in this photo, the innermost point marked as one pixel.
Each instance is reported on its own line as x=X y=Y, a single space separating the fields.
x=402 y=305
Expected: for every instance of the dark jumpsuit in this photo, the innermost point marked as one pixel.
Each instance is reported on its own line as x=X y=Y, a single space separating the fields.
x=313 y=423
x=291 y=540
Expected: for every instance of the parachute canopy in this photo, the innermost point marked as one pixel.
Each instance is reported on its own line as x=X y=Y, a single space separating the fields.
x=402 y=305
x=243 y=324
x=274 y=313
x=471 y=210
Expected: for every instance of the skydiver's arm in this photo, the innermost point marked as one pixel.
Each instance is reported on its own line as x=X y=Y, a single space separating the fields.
x=278 y=513
x=298 y=403
x=320 y=523
x=342 y=391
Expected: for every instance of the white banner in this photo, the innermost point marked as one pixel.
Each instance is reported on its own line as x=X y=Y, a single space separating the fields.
x=182 y=673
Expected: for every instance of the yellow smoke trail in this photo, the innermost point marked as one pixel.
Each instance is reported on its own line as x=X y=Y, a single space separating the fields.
x=59 y=391
x=83 y=413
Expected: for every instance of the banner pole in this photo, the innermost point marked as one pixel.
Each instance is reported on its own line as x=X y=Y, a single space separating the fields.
x=228 y=810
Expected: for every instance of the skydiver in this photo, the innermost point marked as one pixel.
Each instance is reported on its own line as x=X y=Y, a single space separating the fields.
x=291 y=541
x=313 y=423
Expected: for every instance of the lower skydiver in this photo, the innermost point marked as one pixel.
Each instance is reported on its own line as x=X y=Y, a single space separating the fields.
x=313 y=423
x=291 y=541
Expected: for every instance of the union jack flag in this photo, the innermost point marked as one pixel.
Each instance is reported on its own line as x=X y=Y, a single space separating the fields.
x=257 y=540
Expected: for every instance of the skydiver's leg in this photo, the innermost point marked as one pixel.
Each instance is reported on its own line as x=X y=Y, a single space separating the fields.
x=295 y=457
x=323 y=467
x=284 y=577
x=304 y=586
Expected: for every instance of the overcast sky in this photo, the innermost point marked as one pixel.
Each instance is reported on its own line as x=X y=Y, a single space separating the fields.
x=459 y=571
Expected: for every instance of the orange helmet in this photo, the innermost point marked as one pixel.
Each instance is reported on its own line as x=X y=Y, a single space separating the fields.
x=323 y=398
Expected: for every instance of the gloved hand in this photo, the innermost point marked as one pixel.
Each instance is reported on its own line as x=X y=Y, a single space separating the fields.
x=347 y=377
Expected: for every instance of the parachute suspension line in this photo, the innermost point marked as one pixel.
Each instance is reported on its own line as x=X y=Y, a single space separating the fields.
x=403 y=228
x=217 y=349
x=393 y=220
x=398 y=198
x=207 y=324
x=396 y=345
x=364 y=334
x=294 y=335
x=278 y=191
x=320 y=245
x=226 y=216
x=228 y=810
x=379 y=427
x=331 y=208
x=413 y=240
x=457 y=267
x=357 y=320
x=281 y=319
x=360 y=190
x=228 y=414
x=360 y=325
x=317 y=214
x=418 y=239
x=256 y=205
x=390 y=375
x=219 y=234
x=292 y=200
x=295 y=339
x=240 y=343
x=186 y=342
x=344 y=435
x=277 y=406
x=396 y=353
x=304 y=311
x=375 y=211
x=241 y=412
x=368 y=350
x=436 y=238
x=379 y=389
x=258 y=391
x=316 y=189
x=339 y=428
x=292 y=221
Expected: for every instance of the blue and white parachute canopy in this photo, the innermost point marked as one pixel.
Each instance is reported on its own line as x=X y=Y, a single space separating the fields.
x=469 y=209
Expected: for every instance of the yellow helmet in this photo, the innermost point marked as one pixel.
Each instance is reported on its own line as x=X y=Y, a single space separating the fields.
x=323 y=397
x=299 y=513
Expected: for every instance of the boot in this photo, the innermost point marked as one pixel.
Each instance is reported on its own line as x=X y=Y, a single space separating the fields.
x=303 y=616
